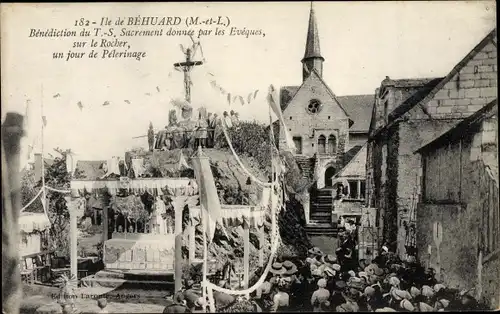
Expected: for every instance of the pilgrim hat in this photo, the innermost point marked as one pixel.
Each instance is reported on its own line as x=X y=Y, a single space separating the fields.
x=290 y=267
x=315 y=251
x=424 y=307
x=330 y=272
x=405 y=304
x=345 y=307
x=369 y=291
x=438 y=287
x=385 y=309
x=427 y=291
x=394 y=281
x=363 y=275
x=329 y=259
x=414 y=291
x=398 y=294
x=336 y=267
x=356 y=283
x=277 y=269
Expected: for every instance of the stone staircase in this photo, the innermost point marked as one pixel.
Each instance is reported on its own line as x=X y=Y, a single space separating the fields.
x=306 y=164
x=320 y=229
x=321 y=206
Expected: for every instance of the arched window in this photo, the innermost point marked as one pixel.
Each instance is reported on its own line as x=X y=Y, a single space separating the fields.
x=332 y=144
x=322 y=144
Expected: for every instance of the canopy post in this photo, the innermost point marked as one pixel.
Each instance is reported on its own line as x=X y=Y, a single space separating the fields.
x=192 y=240
x=178 y=207
x=246 y=254
x=70 y=203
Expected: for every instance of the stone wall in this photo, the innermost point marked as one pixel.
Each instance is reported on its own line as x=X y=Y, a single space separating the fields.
x=468 y=227
x=474 y=86
x=330 y=120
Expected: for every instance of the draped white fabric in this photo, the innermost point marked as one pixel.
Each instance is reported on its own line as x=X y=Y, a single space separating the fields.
x=173 y=186
x=138 y=166
x=29 y=222
x=237 y=214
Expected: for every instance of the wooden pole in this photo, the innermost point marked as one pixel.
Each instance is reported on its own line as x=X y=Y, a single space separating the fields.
x=205 y=256
x=73 y=236
x=192 y=240
x=246 y=253
x=178 y=207
x=262 y=239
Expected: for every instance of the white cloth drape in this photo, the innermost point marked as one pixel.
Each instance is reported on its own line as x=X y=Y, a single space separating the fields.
x=138 y=166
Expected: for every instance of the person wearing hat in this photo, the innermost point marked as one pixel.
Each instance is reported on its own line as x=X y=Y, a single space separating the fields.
x=441 y=304
x=191 y=297
x=336 y=297
x=424 y=307
x=227 y=120
x=178 y=305
x=356 y=283
x=320 y=297
x=351 y=297
x=201 y=129
x=427 y=293
x=385 y=309
x=281 y=300
x=414 y=292
x=406 y=306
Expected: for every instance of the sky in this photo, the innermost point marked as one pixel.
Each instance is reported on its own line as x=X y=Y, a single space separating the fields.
x=362 y=43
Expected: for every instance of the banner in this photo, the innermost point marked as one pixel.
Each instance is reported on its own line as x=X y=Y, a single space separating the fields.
x=209 y=199
x=271 y=98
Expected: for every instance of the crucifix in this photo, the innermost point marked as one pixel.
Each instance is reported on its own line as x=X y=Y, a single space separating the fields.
x=186 y=67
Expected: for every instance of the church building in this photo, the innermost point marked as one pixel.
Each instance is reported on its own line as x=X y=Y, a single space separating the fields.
x=329 y=132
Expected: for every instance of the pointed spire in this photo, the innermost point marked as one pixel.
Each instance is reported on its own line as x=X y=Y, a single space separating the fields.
x=312 y=43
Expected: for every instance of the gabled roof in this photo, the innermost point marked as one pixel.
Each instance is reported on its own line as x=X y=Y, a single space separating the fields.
x=486 y=40
x=461 y=129
x=286 y=95
x=359 y=108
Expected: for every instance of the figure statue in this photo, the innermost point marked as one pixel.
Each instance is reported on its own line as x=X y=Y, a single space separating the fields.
x=172 y=130
x=218 y=133
x=201 y=128
x=212 y=120
x=227 y=119
x=234 y=118
x=188 y=126
x=157 y=224
x=151 y=137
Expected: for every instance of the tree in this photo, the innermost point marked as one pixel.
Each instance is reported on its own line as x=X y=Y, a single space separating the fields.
x=29 y=190
x=57 y=177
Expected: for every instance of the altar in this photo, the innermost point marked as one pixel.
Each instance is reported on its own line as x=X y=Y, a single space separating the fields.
x=139 y=219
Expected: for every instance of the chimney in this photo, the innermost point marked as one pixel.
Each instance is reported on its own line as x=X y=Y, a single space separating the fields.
x=38 y=167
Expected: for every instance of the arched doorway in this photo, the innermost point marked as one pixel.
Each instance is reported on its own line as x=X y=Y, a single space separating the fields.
x=329 y=173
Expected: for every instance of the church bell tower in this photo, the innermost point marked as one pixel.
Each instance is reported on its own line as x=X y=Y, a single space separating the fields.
x=312 y=57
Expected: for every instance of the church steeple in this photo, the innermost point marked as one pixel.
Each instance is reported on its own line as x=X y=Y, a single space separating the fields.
x=312 y=57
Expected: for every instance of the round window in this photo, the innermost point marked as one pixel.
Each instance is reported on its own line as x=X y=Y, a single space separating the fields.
x=314 y=106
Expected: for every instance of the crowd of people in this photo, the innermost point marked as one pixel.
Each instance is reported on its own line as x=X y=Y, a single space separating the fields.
x=340 y=283
x=204 y=131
